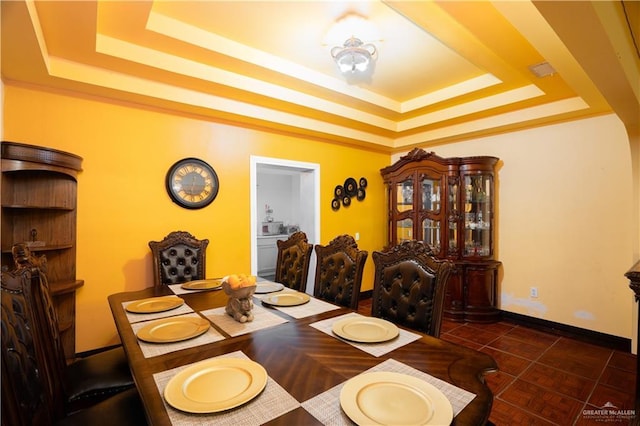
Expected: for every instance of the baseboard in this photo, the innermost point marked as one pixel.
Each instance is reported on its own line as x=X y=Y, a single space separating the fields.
x=608 y=341
x=582 y=334
x=95 y=351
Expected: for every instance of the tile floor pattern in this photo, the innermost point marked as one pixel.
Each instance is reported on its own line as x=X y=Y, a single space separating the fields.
x=544 y=379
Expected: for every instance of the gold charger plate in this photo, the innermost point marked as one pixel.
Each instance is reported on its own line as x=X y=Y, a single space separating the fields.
x=265 y=287
x=215 y=385
x=202 y=284
x=385 y=398
x=286 y=298
x=155 y=304
x=173 y=329
x=365 y=329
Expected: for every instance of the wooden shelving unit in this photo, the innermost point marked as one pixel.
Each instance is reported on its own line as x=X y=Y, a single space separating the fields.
x=39 y=194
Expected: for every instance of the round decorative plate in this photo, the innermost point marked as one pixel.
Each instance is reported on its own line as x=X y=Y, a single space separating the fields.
x=175 y=329
x=363 y=182
x=361 y=194
x=286 y=298
x=346 y=201
x=338 y=191
x=202 y=284
x=154 y=304
x=365 y=329
x=350 y=187
x=268 y=287
x=384 y=398
x=335 y=204
x=214 y=385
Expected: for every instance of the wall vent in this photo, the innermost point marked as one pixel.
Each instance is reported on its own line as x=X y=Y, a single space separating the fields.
x=543 y=69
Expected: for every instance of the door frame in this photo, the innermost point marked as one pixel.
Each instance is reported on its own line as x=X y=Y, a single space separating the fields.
x=314 y=169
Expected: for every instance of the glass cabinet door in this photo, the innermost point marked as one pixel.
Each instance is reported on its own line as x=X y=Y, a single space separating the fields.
x=404 y=230
x=453 y=216
x=478 y=212
x=404 y=195
x=430 y=198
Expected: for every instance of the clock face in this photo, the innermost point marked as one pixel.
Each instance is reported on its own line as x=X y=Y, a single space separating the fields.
x=192 y=183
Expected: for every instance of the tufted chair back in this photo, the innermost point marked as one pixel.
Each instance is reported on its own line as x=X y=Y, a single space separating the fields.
x=292 y=266
x=29 y=395
x=409 y=286
x=339 y=271
x=178 y=258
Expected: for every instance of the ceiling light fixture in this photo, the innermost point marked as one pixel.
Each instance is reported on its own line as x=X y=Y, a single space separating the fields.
x=353 y=56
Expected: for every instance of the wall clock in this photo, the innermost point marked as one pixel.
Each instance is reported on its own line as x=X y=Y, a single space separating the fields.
x=192 y=183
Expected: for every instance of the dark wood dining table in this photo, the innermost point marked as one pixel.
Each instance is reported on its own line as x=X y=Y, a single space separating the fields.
x=301 y=359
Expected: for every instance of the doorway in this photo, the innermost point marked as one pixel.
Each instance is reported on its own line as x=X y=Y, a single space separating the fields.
x=285 y=197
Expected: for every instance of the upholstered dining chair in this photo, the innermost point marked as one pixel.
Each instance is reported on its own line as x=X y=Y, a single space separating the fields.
x=178 y=258
x=292 y=264
x=409 y=286
x=30 y=395
x=87 y=380
x=339 y=267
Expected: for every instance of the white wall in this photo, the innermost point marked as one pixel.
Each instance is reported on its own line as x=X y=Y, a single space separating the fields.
x=276 y=190
x=564 y=221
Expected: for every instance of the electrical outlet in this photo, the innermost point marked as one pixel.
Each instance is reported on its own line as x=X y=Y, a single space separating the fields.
x=357 y=236
x=533 y=292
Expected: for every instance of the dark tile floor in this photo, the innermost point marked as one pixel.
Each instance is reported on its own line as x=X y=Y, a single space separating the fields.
x=544 y=379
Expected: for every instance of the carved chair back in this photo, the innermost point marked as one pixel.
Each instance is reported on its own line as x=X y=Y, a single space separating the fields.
x=409 y=286
x=339 y=270
x=30 y=395
x=178 y=258
x=292 y=265
x=44 y=311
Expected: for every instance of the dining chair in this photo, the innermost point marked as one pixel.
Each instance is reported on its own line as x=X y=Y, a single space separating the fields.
x=409 y=286
x=87 y=380
x=339 y=267
x=178 y=258
x=292 y=264
x=30 y=395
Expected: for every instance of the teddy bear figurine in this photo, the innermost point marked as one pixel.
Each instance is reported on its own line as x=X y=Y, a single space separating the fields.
x=240 y=290
x=240 y=309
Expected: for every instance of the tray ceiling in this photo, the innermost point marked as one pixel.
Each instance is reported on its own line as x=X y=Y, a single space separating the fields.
x=444 y=71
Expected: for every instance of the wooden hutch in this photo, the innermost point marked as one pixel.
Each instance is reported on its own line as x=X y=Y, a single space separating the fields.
x=449 y=204
x=39 y=192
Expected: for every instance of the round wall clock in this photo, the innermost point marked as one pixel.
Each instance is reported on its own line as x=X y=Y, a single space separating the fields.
x=192 y=183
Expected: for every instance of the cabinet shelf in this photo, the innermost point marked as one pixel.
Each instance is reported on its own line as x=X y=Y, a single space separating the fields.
x=43 y=207
x=62 y=287
x=36 y=249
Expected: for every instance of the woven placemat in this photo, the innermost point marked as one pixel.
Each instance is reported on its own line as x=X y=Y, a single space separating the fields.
x=312 y=307
x=273 y=402
x=134 y=317
x=326 y=406
x=154 y=349
x=262 y=318
x=375 y=349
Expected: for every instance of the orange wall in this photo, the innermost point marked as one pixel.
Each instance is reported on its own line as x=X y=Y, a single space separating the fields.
x=122 y=202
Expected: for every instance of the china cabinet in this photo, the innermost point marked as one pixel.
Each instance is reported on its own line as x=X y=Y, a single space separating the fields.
x=449 y=204
x=39 y=191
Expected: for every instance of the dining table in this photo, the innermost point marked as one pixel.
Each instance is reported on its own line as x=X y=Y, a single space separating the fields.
x=308 y=365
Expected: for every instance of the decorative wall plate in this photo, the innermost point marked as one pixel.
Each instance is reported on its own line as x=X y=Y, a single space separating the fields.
x=350 y=187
